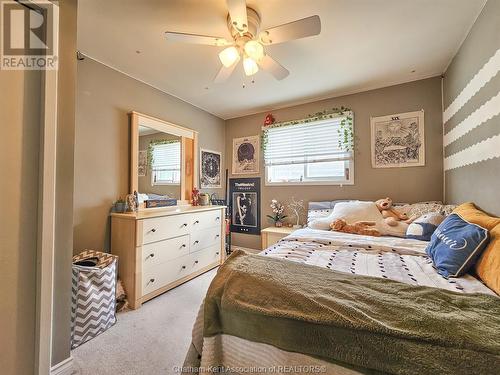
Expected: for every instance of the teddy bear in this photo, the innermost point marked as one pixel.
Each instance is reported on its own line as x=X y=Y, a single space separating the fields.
x=391 y=216
x=359 y=227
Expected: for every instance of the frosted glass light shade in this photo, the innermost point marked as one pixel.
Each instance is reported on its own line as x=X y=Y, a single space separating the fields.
x=254 y=49
x=229 y=56
x=250 y=66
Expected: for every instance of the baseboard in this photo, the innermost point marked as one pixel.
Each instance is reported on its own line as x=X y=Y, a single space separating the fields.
x=247 y=249
x=63 y=368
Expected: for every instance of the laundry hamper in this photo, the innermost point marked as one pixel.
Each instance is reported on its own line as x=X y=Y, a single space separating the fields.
x=93 y=300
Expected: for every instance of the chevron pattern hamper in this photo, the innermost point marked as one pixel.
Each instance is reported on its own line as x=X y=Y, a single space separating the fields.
x=93 y=301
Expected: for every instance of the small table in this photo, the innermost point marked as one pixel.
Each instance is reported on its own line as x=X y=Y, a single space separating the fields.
x=271 y=235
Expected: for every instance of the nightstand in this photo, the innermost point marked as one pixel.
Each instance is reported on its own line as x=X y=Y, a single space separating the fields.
x=271 y=235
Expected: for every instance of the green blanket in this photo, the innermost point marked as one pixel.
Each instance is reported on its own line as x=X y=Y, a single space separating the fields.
x=365 y=322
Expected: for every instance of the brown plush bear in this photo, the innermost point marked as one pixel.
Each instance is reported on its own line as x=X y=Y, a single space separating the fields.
x=359 y=227
x=390 y=214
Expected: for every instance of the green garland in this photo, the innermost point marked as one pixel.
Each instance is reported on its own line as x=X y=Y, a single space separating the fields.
x=346 y=131
x=155 y=143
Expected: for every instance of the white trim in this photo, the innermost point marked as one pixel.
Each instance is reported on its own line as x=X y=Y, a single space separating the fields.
x=46 y=213
x=482 y=77
x=484 y=113
x=63 y=368
x=482 y=151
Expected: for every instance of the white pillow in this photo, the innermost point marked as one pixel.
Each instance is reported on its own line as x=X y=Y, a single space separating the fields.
x=351 y=212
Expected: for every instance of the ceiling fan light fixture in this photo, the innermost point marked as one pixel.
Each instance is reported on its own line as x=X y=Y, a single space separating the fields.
x=229 y=56
x=254 y=49
x=250 y=66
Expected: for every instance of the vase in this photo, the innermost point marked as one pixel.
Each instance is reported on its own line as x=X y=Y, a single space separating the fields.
x=278 y=224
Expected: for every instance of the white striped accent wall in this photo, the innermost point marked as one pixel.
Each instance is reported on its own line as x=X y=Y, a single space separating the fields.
x=488 y=110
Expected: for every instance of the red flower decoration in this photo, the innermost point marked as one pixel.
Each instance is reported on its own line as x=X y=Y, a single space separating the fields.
x=269 y=120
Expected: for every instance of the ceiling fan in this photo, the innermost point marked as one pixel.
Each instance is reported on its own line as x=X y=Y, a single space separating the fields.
x=249 y=41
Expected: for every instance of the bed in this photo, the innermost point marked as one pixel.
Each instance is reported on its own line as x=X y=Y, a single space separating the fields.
x=328 y=302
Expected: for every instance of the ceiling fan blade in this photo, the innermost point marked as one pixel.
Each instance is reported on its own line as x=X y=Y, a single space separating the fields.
x=270 y=65
x=293 y=30
x=238 y=13
x=196 y=39
x=224 y=73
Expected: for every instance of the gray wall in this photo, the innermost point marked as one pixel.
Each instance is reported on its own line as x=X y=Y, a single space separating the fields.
x=478 y=182
x=104 y=98
x=401 y=184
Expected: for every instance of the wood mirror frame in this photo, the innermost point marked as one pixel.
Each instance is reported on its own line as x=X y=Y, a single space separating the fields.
x=189 y=147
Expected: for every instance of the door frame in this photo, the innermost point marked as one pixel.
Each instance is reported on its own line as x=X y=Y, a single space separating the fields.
x=46 y=210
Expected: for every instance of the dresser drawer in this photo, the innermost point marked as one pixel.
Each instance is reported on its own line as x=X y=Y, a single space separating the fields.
x=165 y=273
x=161 y=228
x=204 y=238
x=207 y=219
x=162 y=251
x=204 y=258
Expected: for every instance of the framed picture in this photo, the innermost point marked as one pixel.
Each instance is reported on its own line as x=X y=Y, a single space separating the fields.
x=244 y=205
x=398 y=140
x=143 y=163
x=246 y=155
x=210 y=169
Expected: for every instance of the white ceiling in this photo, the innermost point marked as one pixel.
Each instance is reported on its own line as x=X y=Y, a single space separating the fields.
x=364 y=44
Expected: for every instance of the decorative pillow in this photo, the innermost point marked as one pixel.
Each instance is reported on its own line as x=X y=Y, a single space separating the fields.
x=349 y=211
x=423 y=227
x=421 y=208
x=455 y=246
x=488 y=265
x=319 y=210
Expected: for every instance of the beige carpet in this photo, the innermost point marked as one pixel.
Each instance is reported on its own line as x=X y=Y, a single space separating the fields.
x=148 y=341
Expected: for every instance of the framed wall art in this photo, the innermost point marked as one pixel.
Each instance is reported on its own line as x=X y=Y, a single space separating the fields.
x=398 y=140
x=210 y=169
x=244 y=205
x=246 y=155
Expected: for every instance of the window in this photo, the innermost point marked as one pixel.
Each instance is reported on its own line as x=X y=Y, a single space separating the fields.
x=308 y=153
x=166 y=164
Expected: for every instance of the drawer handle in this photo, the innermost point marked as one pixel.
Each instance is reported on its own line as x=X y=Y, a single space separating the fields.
x=217 y=253
x=183 y=245
x=197 y=222
x=196 y=242
x=152 y=255
x=184 y=225
x=217 y=218
x=195 y=262
x=153 y=230
x=183 y=267
x=151 y=281
x=217 y=235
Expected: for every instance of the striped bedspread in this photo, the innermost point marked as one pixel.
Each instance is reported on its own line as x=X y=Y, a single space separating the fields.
x=399 y=259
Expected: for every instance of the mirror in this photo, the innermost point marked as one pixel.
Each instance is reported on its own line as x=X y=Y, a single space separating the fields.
x=163 y=156
x=159 y=171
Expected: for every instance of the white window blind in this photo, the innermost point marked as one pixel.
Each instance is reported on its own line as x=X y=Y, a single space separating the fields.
x=307 y=152
x=166 y=163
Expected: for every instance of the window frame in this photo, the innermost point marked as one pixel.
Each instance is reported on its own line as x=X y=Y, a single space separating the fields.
x=165 y=183
x=318 y=182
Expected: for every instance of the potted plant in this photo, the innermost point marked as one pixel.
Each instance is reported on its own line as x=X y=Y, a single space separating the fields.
x=120 y=205
x=278 y=210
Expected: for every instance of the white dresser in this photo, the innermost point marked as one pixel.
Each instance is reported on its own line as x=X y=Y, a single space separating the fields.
x=161 y=248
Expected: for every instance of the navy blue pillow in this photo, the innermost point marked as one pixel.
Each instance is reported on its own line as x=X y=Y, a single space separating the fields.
x=455 y=246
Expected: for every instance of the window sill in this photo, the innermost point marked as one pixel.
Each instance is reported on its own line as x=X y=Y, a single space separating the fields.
x=309 y=183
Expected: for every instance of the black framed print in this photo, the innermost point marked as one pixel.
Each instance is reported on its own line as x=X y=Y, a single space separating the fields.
x=244 y=204
x=210 y=169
